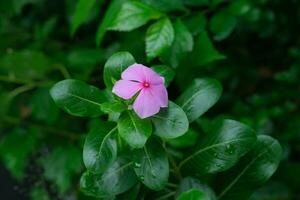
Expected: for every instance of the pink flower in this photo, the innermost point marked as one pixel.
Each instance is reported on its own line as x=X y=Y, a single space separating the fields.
x=152 y=92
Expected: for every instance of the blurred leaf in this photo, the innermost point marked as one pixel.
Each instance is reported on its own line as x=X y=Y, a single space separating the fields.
x=204 y=52
x=193 y=194
x=83 y=9
x=15 y=149
x=183 y=43
x=114 y=66
x=196 y=23
x=222 y=24
x=83 y=57
x=109 y=16
x=39 y=193
x=196 y=2
x=78 y=98
x=272 y=191
x=132 y=15
x=189 y=183
x=115 y=180
x=199 y=97
x=151 y=165
x=159 y=37
x=100 y=147
x=5 y=102
x=43 y=107
x=166 y=72
x=165 y=5
x=227 y=142
x=61 y=165
x=254 y=169
x=133 y=130
x=26 y=65
x=170 y=122
x=239 y=7
x=187 y=140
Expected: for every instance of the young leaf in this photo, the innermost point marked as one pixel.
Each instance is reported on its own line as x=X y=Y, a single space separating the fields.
x=115 y=65
x=254 y=169
x=151 y=165
x=78 y=98
x=82 y=11
x=132 y=15
x=199 y=97
x=159 y=37
x=189 y=183
x=133 y=130
x=204 y=52
x=193 y=194
x=166 y=72
x=170 y=122
x=183 y=43
x=222 y=24
x=227 y=142
x=117 y=179
x=100 y=147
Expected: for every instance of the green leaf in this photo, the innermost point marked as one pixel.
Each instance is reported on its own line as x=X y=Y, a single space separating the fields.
x=170 y=122
x=133 y=130
x=151 y=165
x=239 y=7
x=165 y=5
x=222 y=24
x=109 y=16
x=78 y=98
x=115 y=65
x=83 y=57
x=15 y=149
x=189 y=183
x=132 y=15
x=100 y=147
x=113 y=107
x=204 y=52
x=187 y=140
x=159 y=37
x=193 y=194
x=183 y=43
x=83 y=9
x=199 y=97
x=117 y=179
x=61 y=165
x=253 y=170
x=166 y=72
x=226 y=143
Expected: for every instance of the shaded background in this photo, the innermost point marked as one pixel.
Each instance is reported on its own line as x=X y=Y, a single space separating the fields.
x=40 y=146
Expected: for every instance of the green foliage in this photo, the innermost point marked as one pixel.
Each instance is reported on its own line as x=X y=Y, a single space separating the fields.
x=67 y=55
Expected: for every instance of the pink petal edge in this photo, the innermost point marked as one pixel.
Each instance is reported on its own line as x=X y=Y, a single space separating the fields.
x=126 y=89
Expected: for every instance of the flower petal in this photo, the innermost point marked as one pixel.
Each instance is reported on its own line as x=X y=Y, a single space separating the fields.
x=141 y=73
x=126 y=89
x=161 y=94
x=146 y=104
